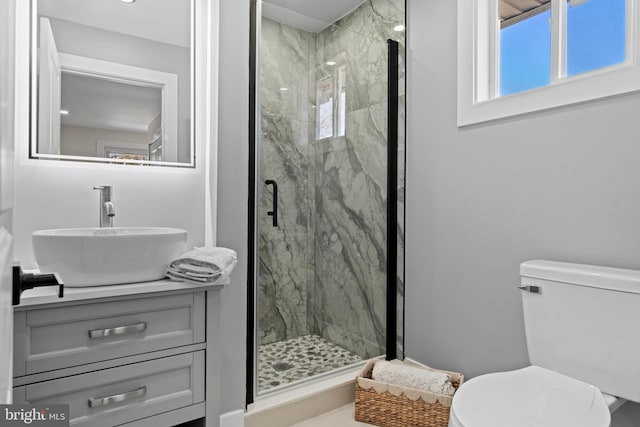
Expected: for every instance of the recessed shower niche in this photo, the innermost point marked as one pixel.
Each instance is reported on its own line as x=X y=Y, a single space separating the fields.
x=326 y=182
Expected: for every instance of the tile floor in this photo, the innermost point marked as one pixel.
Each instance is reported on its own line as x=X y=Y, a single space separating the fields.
x=299 y=358
x=342 y=417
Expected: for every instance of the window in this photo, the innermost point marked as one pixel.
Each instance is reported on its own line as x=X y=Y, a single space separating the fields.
x=525 y=54
x=324 y=89
x=519 y=56
x=596 y=35
x=331 y=99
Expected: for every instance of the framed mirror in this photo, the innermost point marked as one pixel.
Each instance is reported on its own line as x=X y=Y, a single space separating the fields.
x=113 y=81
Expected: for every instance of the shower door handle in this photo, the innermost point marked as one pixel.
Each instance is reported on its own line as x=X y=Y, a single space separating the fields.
x=274 y=212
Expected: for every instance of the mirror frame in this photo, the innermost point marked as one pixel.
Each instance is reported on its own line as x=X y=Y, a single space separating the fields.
x=91 y=67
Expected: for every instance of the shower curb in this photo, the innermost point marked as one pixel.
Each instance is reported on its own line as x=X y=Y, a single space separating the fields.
x=302 y=403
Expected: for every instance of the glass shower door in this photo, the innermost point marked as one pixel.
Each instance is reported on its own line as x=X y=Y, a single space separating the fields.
x=322 y=196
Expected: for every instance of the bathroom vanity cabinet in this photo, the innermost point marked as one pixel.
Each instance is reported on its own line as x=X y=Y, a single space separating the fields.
x=126 y=355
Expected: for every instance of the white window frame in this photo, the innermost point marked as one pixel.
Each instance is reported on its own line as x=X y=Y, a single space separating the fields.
x=478 y=62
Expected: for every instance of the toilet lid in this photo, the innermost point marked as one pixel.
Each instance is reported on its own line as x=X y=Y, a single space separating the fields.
x=529 y=397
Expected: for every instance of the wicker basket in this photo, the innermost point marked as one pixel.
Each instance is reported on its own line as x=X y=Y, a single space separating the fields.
x=388 y=405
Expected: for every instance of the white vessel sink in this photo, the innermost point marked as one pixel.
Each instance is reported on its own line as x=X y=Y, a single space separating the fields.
x=107 y=256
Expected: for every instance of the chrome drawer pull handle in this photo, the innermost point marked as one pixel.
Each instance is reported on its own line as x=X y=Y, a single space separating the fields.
x=120 y=330
x=117 y=398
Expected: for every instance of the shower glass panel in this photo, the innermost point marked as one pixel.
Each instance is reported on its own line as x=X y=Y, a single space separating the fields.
x=321 y=288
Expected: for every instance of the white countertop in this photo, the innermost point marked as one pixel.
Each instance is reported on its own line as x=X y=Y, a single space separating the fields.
x=49 y=294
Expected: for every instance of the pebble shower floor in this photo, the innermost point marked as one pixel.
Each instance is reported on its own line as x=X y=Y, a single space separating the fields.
x=298 y=358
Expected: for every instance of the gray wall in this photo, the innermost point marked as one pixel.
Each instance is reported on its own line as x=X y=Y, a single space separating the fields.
x=7 y=115
x=233 y=137
x=7 y=135
x=560 y=185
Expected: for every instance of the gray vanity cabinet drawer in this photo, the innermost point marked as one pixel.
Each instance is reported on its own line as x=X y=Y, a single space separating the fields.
x=125 y=393
x=60 y=337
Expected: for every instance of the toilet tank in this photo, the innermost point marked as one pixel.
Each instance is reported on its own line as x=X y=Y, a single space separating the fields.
x=584 y=322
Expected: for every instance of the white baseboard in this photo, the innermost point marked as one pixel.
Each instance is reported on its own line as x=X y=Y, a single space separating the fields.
x=232 y=419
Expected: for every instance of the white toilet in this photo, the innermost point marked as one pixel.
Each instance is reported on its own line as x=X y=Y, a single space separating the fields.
x=582 y=326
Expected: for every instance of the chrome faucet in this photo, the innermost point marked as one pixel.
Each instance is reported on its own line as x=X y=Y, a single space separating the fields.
x=107 y=211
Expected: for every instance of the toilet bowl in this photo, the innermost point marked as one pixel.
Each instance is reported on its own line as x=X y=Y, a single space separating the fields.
x=580 y=324
x=528 y=397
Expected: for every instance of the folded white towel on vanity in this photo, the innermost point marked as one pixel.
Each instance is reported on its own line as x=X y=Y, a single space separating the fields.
x=203 y=265
x=413 y=377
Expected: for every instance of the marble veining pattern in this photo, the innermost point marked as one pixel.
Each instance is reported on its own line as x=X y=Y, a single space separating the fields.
x=351 y=186
x=322 y=271
x=284 y=257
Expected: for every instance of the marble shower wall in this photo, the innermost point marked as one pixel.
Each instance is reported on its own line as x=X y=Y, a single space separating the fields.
x=285 y=257
x=351 y=183
x=323 y=270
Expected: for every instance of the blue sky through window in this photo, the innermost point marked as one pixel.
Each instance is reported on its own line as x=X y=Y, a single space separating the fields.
x=525 y=55
x=595 y=39
x=595 y=35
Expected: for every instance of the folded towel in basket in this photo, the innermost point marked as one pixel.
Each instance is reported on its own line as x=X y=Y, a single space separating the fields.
x=203 y=265
x=413 y=377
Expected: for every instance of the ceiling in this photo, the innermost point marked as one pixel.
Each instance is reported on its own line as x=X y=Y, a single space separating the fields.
x=308 y=15
x=512 y=11
x=166 y=21
x=314 y=16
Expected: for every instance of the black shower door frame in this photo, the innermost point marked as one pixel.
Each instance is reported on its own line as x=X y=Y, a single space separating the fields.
x=392 y=203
